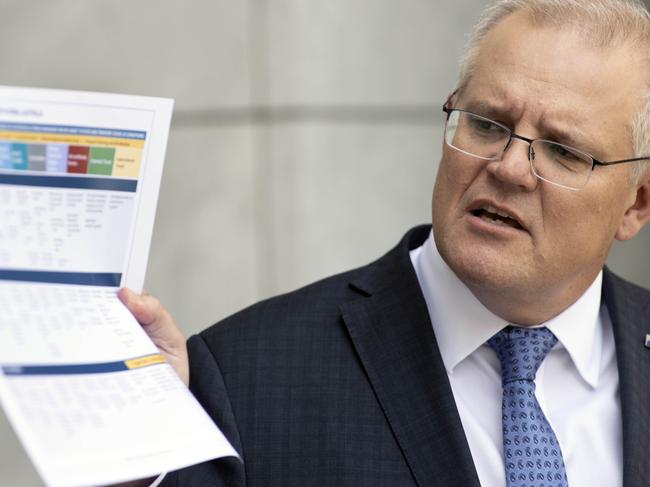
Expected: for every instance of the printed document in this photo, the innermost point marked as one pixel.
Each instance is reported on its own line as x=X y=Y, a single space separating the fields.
x=89 y=395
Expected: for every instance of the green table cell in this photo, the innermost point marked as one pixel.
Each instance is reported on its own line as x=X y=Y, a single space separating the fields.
x=101 y=161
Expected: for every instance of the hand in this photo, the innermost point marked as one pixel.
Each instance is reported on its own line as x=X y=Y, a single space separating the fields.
x=161 y=328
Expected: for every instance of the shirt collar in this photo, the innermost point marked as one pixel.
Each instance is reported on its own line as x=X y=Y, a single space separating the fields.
x=462 y=324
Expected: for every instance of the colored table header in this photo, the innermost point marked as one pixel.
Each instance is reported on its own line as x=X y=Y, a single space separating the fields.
x=71 y=130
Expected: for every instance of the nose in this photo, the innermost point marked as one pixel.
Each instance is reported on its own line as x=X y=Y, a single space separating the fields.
x=514 y=167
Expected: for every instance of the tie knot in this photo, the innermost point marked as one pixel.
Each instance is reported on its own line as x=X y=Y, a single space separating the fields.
x=521 y=351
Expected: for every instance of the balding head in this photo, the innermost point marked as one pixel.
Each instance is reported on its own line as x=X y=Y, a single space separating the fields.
x=608 y=24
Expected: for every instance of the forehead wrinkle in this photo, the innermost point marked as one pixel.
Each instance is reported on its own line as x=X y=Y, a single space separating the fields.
x=559 y=125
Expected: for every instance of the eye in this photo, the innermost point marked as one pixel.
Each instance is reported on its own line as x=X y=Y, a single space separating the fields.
x=562 y=156
x=485 y=125
x=564 y=152
x=482 y=127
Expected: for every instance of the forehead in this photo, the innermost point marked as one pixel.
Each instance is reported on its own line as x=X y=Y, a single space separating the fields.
x=540 y=73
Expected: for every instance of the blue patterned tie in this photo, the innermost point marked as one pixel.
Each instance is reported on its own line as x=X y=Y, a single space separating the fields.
x=532 y=453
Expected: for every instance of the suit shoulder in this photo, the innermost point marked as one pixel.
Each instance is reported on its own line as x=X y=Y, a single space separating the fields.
x=621 y=288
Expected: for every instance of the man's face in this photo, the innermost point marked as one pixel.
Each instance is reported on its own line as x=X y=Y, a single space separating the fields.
x=542 y=83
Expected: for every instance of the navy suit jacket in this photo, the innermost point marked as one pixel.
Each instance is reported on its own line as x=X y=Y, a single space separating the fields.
x=341 y=383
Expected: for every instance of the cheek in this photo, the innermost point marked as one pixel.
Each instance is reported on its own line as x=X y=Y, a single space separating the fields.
x=455 y=176
x=446 y=189
x=456 y=173
x=611 y=205
x=579 y=228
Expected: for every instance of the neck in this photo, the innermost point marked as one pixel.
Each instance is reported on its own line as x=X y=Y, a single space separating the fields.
x=529 y=307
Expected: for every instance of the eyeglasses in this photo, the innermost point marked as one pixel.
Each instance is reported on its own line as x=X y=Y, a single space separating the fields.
x=556 y=163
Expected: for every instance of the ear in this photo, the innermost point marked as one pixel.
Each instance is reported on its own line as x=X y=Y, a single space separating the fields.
x=638 y=214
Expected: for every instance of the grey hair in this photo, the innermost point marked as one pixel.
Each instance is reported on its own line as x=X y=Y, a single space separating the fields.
x=641 y=139
x=604 y=22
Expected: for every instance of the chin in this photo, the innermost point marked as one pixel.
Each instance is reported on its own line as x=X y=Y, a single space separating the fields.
x=481 y=268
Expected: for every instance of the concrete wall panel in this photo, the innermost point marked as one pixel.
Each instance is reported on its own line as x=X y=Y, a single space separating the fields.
x=357 y=52
x=194 y=51
x=203 y=263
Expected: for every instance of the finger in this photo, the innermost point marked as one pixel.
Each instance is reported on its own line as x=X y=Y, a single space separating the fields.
x=156 y=320
x=146 y=309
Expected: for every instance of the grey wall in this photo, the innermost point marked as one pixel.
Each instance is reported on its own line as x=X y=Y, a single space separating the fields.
x=305 y=139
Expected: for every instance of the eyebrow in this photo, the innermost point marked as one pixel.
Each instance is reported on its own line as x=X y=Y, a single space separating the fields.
x=485 y=108
x=557 y=134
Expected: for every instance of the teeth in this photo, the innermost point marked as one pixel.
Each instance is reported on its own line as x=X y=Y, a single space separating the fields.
x=492 y=209
x=492 y=220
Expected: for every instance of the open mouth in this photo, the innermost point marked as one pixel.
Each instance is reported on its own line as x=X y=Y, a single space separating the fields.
x=497 y=217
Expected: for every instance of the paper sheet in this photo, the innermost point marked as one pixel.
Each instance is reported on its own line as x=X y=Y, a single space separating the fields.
x=87 y=392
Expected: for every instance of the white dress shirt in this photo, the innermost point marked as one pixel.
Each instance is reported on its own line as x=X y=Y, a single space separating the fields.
x=577 y=384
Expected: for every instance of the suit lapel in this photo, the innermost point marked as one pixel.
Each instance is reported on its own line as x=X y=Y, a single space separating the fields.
x=392 y=333
x=629 y=309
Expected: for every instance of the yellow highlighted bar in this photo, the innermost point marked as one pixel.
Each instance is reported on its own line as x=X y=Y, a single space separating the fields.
x=136 y=363
x=44 y=138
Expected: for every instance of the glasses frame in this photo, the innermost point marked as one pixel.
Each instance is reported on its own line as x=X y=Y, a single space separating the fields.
x=594 y=162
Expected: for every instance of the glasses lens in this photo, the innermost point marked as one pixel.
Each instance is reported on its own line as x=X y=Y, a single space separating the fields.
x=561 y=164
x=475 y=135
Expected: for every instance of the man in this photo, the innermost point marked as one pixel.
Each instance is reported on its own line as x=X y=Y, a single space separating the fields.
x=408 y=371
